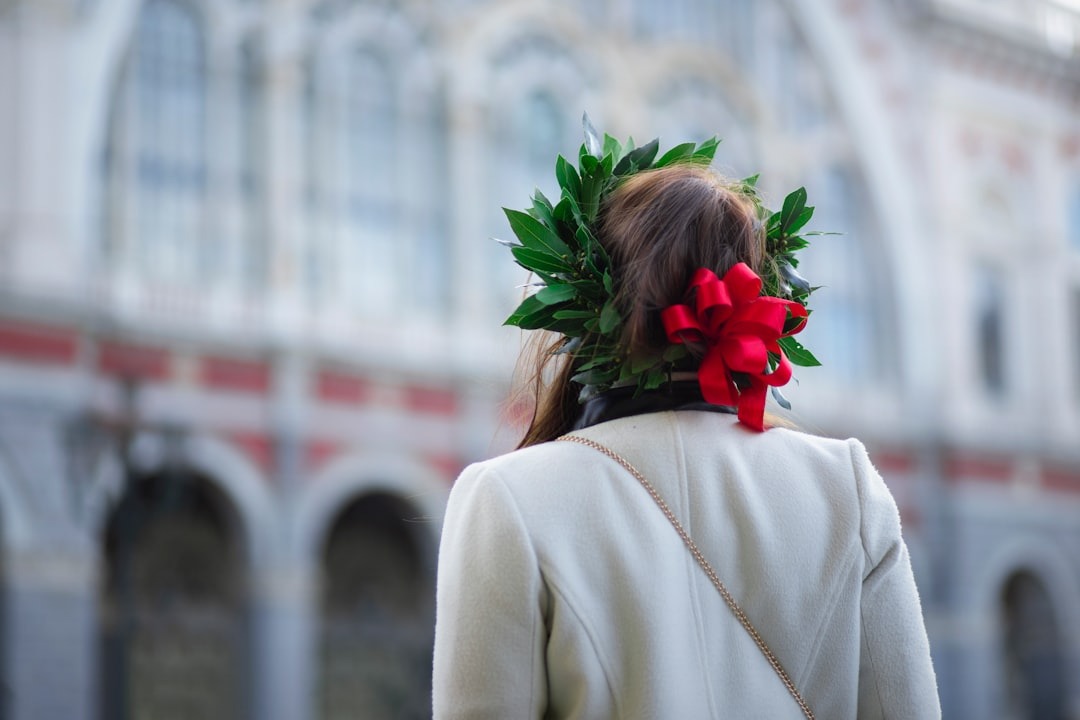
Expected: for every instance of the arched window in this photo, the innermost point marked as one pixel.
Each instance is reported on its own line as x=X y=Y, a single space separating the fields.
x=1033 y=664
x=163 y=151
x=173 y=640
x=377 y=612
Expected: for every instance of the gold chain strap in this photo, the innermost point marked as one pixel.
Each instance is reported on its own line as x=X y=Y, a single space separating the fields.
x=713 y=577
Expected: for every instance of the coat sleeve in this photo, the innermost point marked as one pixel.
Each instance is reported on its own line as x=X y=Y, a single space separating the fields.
x=896 y=677
x=490 y=633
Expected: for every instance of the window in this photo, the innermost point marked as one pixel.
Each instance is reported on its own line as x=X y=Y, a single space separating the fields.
x=251 y=236
x=169 y=132
x=842 y=332
x=429 y=207
x=370 y=210
x=530 y=136
x=988 y=301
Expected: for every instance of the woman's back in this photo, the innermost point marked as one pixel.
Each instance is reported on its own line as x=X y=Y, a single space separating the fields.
x=565 y=591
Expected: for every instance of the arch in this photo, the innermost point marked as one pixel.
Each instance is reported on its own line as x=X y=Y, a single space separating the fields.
x=356 y=474
x=505 y=28
x=240 y=482
x=1052 y=567
x=888 y=182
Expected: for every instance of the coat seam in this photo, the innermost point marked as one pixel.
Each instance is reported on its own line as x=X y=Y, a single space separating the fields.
x=513 y=504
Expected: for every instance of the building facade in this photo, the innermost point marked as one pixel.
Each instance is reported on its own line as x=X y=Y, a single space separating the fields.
x=250 y=315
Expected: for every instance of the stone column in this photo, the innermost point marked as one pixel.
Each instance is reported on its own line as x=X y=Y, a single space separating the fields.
x=51 y=644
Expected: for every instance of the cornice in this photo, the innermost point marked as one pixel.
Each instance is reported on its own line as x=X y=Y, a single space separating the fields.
x=1006 y=49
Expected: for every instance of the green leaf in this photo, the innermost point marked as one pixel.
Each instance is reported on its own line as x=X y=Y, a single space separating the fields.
x=568 y=177
x=609 y=283
x=606 y=166
x=554 y=294
x=609 y=317
x=642 y=363
x=563 y=211
x=595 y=363
x=638 y=159
x=542 y=209
x=751 y=182
x=679 y=152
x=539 y=260
x=596 y=376
x=801 y=219
x=527 y=307
x=534 y=235
x=674 y=353
x=573 y=314
x=612 y=146
x=590 y=164
x=653 y=379
x=793 y=207
x=706 y=151
x=797 y=354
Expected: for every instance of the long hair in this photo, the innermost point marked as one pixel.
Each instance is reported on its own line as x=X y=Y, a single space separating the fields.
x=658 y=228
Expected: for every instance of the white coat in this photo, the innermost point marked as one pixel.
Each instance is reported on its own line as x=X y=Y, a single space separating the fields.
x=564 y=592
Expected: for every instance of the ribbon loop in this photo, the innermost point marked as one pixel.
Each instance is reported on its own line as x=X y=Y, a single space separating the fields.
x=740 y=330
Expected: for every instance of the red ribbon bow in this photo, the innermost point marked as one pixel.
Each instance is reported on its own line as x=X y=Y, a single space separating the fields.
x=739 y=328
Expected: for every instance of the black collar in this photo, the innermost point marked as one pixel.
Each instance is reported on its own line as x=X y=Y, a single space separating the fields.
x=620 y=402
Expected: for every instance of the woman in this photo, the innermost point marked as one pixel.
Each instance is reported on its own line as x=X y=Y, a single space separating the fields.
x=564 y=589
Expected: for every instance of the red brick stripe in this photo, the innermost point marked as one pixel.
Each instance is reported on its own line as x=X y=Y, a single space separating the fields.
x=436 y=401
x=140 y=361
x=38 y=343
x=334 y=387
x=232 y=374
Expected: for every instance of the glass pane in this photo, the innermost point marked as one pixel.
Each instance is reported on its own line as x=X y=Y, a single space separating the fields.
x=988 y=303
x=372 y=251
x=840 y=333
x=529 y=138
x=251 y=240
x=170 y=132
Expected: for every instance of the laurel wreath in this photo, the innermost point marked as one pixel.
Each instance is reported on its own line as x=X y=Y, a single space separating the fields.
x=557 y=243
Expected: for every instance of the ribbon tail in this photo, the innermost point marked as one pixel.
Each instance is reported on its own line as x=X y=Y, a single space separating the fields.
x=716 y=385
x=752 y=406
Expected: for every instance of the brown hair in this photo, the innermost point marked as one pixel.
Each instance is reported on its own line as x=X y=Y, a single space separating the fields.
x=658 y=227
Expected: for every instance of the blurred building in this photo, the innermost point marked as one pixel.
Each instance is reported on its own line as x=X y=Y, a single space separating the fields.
x=249 y=315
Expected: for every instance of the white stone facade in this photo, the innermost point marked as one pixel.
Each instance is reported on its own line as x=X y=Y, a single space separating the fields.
x=271 y=218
